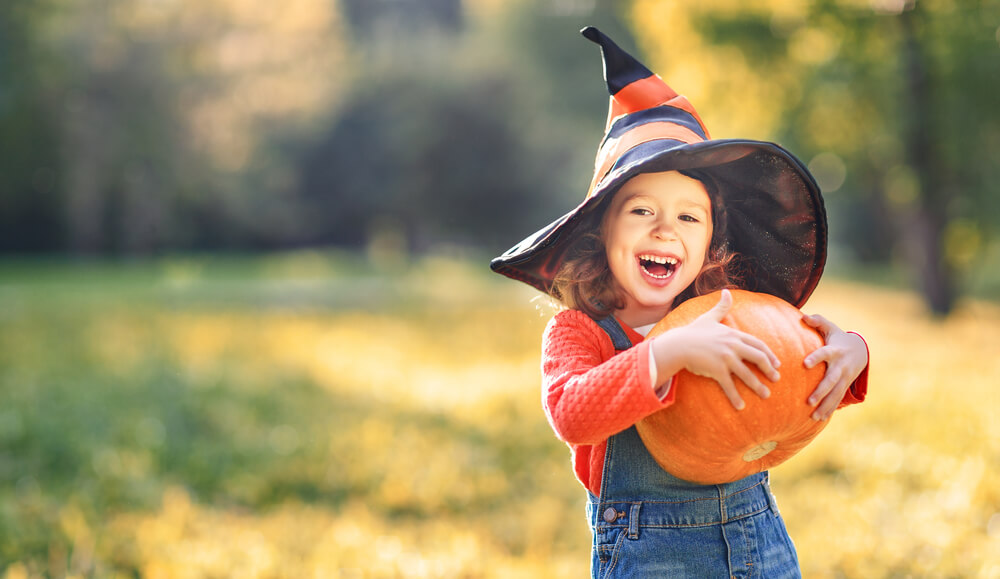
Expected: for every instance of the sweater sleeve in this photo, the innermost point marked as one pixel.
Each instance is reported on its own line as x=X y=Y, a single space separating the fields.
x=589 y=391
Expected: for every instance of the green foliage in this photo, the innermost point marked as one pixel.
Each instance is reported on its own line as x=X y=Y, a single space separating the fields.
x=890 y=103
x=752 y=31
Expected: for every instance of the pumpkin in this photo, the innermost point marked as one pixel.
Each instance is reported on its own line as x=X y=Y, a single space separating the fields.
x=700 y=437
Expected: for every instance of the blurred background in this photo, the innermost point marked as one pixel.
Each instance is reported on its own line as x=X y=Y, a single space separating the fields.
x=247 y=326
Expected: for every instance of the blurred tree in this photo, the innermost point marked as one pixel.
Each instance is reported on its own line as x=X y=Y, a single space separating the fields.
x=387 y=21
x=29 y=138
x=120 y=141
x=130 y=127
x=149 y=126
x=474 y=135
x=565 y=76
x=430 y=161
x=892 y=101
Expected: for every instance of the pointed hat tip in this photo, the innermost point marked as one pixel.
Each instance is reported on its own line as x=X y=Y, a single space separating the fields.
x=620 y=67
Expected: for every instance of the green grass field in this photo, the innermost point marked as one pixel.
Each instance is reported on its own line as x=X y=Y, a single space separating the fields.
x=311 y=415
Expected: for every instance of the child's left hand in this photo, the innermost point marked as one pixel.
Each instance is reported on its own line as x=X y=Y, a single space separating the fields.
x=846 y=355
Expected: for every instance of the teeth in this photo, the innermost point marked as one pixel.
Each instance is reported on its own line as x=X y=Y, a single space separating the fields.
x=658 y=259
x=670 y=262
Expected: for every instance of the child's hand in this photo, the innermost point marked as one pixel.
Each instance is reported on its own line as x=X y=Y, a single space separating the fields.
x=846 y=355
x=708 y=348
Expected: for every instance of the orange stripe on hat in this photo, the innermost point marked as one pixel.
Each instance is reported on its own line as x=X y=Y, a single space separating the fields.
x=621 y=108
x=613 y=149
x=642 y=94
x=645 y=94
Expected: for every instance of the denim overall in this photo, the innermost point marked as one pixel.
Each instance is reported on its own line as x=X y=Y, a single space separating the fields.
x=648 y=523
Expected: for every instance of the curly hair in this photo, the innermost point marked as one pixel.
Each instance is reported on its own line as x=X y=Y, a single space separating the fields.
x=584 y=281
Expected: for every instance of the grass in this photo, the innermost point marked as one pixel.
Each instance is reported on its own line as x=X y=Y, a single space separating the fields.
x=313 y=415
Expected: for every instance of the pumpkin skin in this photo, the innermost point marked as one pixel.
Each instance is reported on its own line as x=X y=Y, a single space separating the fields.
x=701 y=438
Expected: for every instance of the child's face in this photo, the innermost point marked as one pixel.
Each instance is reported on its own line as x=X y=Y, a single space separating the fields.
x=656 y=233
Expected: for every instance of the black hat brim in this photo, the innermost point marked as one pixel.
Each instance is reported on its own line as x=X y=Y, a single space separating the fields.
x=776 y=220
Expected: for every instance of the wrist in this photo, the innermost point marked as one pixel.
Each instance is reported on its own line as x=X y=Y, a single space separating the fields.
x=665 y=351
x=861 y=345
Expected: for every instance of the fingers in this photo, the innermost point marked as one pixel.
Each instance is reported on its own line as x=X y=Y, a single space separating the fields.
x=837 y=378
x=821 y=395
x=828 y=384
x=830 y=401
x=749 y=355
x=762 y=356
x=821 y=354
x=840 y=373
x=738 y=351
x=746 y=346
x=723 y=372
x=743 y=372
x=721 y=309
x=815 y=320
x=825 y=326
x=735 y=364
x=729 y=389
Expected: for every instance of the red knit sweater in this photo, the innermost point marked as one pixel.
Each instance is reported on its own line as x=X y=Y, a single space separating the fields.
x=591 y=392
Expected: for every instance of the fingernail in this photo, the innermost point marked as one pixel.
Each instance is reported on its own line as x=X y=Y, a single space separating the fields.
x=740 y=405
x=766 y=393
x=775 y=377
x=808 y=362
x=812 y=402
x=816 y=416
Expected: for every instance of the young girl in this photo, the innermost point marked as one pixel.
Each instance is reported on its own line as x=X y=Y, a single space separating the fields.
x=672 y=214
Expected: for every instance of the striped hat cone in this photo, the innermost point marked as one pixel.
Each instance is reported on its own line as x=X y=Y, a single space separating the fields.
x=775 y=217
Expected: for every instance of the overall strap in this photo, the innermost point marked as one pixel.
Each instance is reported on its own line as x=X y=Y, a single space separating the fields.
x=629 y=470
x=614 y=330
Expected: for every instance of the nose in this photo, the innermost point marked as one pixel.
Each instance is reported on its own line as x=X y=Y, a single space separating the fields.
x=664 y=229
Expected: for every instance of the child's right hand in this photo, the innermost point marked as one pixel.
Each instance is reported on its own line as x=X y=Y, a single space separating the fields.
x=709 y=348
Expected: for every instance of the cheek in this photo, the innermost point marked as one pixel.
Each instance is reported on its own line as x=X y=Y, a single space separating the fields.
x=700 y=262
x=708 y=241
x=616 y=240
x=617 y=259
x=701 y=250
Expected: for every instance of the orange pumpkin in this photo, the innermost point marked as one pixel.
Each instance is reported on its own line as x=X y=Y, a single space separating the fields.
x=701 y=437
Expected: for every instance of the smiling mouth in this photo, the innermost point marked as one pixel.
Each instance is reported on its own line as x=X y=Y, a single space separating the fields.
x=658 y=267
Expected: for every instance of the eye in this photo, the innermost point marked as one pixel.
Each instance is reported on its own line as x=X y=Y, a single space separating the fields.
x=689 y=218
x=640 y=211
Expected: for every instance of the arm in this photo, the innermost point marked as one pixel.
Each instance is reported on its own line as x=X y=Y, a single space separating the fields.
x=846 y=358
x=590 y=393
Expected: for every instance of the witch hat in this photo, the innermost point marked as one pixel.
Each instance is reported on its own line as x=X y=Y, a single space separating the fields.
x=776 y=221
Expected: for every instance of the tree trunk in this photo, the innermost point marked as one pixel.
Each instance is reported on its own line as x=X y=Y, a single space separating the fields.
x=921 y=232
x=923 y=227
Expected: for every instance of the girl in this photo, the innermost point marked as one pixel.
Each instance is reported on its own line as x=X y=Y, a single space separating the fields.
x=671 y=214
